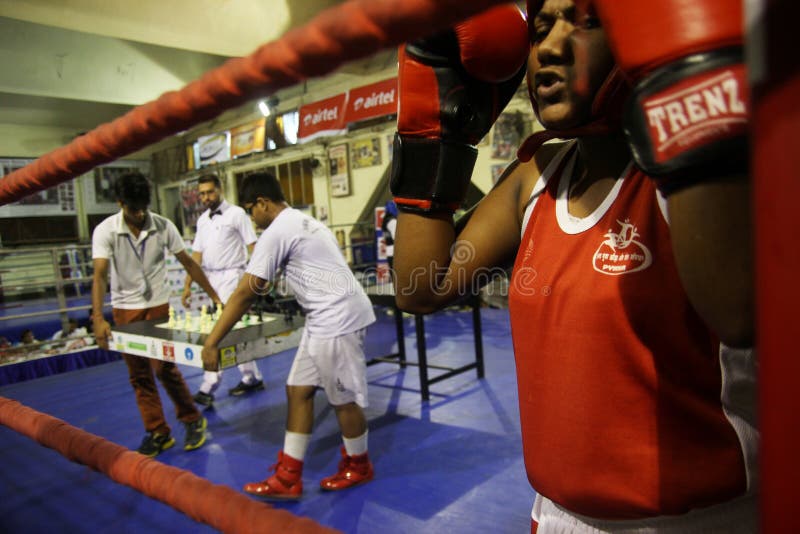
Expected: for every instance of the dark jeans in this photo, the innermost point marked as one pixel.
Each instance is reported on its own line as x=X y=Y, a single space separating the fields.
x=142 y=372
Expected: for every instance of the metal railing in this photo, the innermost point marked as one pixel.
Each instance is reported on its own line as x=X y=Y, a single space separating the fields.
x=43 y=273
x=42 y=349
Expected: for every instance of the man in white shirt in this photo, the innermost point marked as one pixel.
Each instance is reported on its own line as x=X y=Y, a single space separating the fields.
x=224 y=237
x=331 y=352
x=79 y=335
x=131 y=246
x=72 y=330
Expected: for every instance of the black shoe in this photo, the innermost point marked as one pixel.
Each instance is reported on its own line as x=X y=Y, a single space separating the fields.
x=242 y=388
x=203 y=399
x=195 y=434
x=152 y=444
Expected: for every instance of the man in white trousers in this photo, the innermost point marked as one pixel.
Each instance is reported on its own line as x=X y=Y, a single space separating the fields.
x=225 y=236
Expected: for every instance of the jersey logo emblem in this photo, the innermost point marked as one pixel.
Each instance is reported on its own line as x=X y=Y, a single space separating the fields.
x=621 y=253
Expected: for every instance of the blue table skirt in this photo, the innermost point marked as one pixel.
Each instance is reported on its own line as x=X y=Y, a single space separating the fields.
x=51 y=365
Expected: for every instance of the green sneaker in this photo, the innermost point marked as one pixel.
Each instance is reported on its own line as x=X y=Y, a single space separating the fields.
x=152 y=444
x=195 y=434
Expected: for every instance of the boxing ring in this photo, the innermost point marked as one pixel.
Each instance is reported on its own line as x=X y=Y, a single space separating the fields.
x=358 y=28
x=349 y=31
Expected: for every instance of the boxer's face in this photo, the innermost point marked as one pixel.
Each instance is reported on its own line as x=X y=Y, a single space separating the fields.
x=569 y=61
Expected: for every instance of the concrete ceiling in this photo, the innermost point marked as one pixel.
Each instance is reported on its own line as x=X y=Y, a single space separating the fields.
x=70 y=65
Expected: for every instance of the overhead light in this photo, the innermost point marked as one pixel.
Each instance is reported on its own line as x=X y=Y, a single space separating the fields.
x=264 y=108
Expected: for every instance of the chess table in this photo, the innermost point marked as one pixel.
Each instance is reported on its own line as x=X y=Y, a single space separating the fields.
x=153 y=339
x=383 y=295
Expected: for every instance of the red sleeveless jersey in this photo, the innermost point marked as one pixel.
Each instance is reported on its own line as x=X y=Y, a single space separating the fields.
x=619 y=378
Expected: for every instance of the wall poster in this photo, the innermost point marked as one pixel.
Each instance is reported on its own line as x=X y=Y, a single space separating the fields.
x=339 y=170
x=191 y=204
x=366 y=153
x=98 y=185
x=56 y=200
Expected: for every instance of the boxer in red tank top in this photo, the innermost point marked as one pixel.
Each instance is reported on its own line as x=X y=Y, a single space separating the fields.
x=630 y=298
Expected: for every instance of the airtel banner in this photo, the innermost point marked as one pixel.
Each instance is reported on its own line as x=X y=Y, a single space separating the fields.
x=373 y=100
x=325 y=117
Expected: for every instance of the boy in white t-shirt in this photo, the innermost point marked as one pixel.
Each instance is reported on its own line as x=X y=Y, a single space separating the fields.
x=330 y=355
x=130 y=248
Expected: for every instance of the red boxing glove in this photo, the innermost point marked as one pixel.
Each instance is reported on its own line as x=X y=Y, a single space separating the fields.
x=688 y=114
x=453 y=85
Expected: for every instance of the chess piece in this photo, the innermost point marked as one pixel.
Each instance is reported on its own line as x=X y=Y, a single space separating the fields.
x=205 y=324
x=171 y=321
x=203 y=319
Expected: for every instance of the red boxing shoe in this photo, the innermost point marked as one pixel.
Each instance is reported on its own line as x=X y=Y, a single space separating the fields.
x=285 y=484
x=353 y=470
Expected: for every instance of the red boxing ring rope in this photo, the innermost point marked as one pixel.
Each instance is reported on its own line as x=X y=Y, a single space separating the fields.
x=216 y=505
x=352 y=30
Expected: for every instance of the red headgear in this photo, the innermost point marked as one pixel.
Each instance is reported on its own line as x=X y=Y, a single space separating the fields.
x=606 y=107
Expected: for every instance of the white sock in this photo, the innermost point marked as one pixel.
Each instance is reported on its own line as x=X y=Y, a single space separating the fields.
x=356 y=446
x=295 y=444
x=211 y=382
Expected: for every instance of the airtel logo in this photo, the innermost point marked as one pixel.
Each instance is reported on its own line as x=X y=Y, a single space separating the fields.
x=322 y=115
x=381 y=98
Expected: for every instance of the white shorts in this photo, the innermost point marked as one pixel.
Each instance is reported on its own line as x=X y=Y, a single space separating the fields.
x=335 y=364
x=224 y=282
x=738 y=515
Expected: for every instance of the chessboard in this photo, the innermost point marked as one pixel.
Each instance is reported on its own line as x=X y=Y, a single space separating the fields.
x=263 y=335
x=204 y=322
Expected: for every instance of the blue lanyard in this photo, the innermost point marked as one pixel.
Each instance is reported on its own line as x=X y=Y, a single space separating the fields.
x=139 y=255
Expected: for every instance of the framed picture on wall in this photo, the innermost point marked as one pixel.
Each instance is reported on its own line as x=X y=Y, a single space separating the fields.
x=366 y=153
x=339 y=170
x=104 y=180
x=190 y=203
x=98 y=185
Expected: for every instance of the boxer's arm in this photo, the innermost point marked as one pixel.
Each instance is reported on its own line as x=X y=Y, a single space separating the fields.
x=712 y=239
x=453 y=86
x=434 y=266
x=687 y=126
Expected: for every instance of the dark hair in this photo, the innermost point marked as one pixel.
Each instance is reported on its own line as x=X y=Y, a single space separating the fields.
x=133 y=189
x=260 y=184
x=206 y=178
